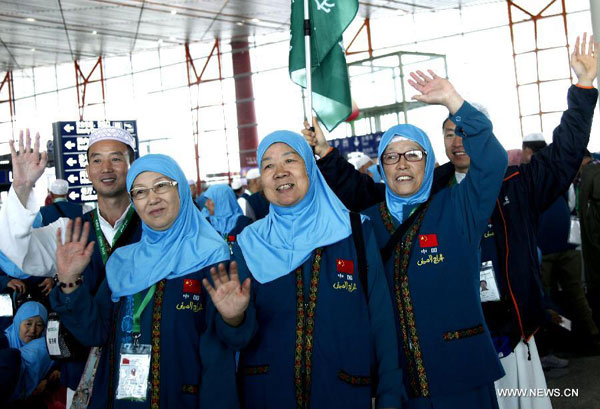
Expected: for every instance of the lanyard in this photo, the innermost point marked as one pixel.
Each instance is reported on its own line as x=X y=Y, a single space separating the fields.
x=140 y=305
x=105 y=248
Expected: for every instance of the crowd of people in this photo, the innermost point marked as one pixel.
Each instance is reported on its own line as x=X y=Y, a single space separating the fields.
x=327 y=283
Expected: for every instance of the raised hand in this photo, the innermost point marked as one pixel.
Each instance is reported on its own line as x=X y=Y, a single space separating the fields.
x=229 y=297
x=27 y=164
x=315 y=138
x=74 y=255
x=435 y=90
x=585 y=61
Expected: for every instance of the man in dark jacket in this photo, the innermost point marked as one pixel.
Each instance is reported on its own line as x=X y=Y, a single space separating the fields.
x=510 y=242
x=60 y=206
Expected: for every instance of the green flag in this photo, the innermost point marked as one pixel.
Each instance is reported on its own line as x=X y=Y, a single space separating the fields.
x=330 y=82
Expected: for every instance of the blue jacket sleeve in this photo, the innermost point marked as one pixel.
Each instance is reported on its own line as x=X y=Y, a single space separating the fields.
x=87 y=318
x=390 y=389
x=553 y=169
x=238 y=337
x=475 y=197
x=356 y=190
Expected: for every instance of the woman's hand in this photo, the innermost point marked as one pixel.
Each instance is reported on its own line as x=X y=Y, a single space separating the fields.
x=435 y=90
x=229 y=297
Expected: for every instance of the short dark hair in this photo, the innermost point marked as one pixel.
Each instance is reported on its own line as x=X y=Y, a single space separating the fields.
x=535 y=146
x=130 y=153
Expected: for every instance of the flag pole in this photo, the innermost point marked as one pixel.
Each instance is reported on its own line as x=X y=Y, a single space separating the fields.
x=307 y=32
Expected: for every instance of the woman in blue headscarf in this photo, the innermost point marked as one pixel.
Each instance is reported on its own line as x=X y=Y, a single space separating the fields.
x=326 y=337
x=152 y=299
x=430 y=249
x=25 y=334
x=226 y=215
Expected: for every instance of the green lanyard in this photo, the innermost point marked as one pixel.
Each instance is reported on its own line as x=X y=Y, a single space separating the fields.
x=139 y=307
x=102 y=243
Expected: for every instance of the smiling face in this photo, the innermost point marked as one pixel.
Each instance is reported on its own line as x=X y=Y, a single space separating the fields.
x=455 y=150
x=108 y=163
x=31 y=329
x=404 y=177
x=283 y=175
x=158 y=211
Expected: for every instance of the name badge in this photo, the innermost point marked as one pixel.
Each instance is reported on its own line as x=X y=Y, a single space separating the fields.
x=134 y=368
x=488 y=288
x=52 y=341
x=575 y=231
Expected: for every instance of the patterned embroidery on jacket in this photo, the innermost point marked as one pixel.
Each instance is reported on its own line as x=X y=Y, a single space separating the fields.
x=354 y=380
x=155 y=360
x=411 y=346
x=254 y=370
x=463 y=333
x=305 y=327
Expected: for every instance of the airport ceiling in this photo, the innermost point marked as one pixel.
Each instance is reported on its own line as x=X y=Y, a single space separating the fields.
x=46 y=32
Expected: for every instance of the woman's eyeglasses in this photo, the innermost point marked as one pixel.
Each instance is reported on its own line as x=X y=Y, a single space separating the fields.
x=392 y=158
x=161 y=187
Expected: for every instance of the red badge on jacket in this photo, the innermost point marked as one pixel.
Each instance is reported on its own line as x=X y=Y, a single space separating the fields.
x=192 y=286
x=428 y=240
x=345 y=266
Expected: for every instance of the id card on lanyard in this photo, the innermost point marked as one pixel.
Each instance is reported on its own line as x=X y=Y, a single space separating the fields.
x=488 y=288
x=134 y=361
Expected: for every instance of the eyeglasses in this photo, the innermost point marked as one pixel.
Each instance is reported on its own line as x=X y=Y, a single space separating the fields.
x=392 y=158
x=161 y=187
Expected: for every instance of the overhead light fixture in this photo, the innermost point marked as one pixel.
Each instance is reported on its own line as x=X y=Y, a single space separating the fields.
x=33 y=49
x=173 y=12
x=239 y=23
x=255 y=20
x=30 y=19
x=94 y=32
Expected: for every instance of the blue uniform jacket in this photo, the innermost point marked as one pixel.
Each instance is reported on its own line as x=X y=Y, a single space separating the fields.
x=510 y=240
x=355 y=352
x=93 y=276
x=193 y=360
x=52 y=212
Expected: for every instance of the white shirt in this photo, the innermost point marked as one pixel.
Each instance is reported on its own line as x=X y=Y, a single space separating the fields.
x=35 y=249
x=246 y=208
x=459 y=177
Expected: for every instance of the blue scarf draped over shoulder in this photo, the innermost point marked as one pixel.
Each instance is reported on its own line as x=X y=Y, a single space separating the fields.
x=282 y=241
x=189 y=245
x=227 y=209
x=35 y=361
x=394 y=202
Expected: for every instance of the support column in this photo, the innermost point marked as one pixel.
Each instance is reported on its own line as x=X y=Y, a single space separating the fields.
x=244 y=95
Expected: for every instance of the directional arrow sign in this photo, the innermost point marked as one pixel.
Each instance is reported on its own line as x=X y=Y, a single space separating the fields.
x=73 y=195
x=69 y=145
x=69 y=128
x=71 y=161
x=72 y=179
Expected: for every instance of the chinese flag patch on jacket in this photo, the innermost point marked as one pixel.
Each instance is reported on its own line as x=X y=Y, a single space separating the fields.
x=428 y=240
x=192 y=286
x=345 y=266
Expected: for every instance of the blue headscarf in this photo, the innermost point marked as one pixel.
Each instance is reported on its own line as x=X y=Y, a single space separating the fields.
x=283 y=240
x=227 y=209
x=27 y=310
x=189 y=245
x=394 y=202
x=35 y=364
x=374 y=169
